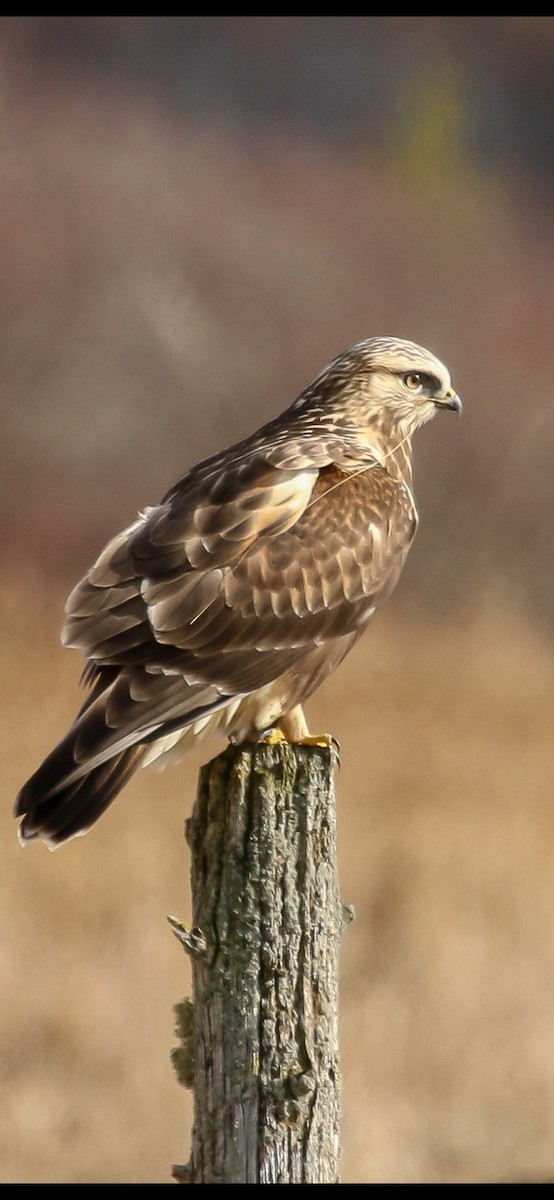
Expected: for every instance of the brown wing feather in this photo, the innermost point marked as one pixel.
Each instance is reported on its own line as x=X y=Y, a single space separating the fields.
x=291 y=562
x=184 y=541
x=275 y=597
x=188 y=641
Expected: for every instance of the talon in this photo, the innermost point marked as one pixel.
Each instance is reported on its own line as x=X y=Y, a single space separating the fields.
x=275 y=737
x=272 y=737
x=321 y=739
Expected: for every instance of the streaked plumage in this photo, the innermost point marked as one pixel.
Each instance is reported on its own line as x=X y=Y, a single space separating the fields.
x=224 y=607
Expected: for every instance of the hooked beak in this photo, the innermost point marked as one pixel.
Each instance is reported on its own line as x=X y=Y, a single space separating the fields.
x=451 y=400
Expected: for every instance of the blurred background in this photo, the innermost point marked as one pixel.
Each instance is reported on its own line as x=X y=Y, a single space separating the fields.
x=196 y=215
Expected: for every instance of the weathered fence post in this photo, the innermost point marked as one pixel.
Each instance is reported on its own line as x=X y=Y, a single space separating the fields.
x=267 y=925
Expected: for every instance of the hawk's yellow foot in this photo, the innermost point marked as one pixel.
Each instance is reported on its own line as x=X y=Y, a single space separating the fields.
x=272 y=737
x=276 y=737
x=327 y=740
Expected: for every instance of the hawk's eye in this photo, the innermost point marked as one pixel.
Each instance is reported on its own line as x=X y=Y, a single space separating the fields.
x=413 y=380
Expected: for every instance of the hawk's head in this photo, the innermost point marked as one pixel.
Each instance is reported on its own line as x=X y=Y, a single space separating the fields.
x=385 y=382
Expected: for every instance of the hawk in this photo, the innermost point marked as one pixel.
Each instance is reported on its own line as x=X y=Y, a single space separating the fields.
x=222 y=608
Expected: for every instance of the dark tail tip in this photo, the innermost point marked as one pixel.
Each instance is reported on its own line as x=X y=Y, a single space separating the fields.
x=54 y=812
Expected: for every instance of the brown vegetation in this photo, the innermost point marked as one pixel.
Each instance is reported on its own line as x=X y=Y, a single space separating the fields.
x=445 y=836
x=164 y=288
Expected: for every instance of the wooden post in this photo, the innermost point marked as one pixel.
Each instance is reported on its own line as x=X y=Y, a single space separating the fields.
x=265 y=941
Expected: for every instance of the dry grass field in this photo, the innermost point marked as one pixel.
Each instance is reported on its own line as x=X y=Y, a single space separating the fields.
x=168 y=283
x=446 y=832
